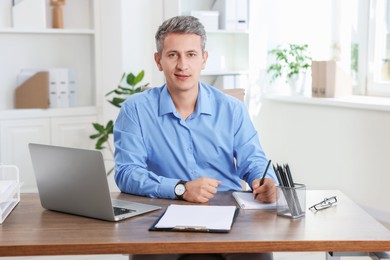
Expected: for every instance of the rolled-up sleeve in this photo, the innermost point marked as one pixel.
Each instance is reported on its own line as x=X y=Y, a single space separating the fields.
x=131 y=171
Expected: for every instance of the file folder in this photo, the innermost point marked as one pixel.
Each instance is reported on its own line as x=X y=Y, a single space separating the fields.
x=34 y=92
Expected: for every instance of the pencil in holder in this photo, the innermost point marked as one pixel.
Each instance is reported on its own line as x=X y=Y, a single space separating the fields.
x=291 y=201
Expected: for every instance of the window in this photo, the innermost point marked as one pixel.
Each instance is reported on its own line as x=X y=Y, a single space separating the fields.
x=366 y=51
x=356 y=33
x=378 y=61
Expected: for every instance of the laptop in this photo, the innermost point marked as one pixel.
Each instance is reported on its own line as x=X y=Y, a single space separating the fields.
x=74 y=181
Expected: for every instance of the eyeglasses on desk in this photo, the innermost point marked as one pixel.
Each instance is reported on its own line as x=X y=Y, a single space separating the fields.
x=326 y=203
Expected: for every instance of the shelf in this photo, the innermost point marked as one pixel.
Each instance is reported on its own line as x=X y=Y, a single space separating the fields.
x=228 y=32
x=353 y=101
x=45 y=113
x=46 y=31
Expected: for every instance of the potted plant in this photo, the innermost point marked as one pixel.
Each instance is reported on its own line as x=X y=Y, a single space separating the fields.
x=290 y=62
x=128 y=85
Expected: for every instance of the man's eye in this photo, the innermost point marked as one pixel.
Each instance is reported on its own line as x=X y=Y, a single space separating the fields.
x=192 y=54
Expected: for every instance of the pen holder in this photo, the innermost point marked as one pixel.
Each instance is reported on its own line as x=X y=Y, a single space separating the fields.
x=291 y=201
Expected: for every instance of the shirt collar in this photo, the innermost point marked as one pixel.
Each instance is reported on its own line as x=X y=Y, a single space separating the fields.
x=166 y=105
x=204 y=101
x=203 y=104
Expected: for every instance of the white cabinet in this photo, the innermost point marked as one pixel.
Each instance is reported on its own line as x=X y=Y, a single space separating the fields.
x=15 y=135
x=72 y=131
x=228 y=49
x=77 y=47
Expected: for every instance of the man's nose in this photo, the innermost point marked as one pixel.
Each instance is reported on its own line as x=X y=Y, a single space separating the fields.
x=182 y=63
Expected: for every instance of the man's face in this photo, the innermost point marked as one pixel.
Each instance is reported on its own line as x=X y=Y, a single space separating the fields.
x=181 y=60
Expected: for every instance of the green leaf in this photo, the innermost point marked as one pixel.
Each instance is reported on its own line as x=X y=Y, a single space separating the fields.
x=123 y=76
x=94 y=136
x=130 y=79
x=117 y=101
x=110 y=127
x=139 y=77
x=114 y=104
x=98 y=127
x=109 y=93
x=100 y=142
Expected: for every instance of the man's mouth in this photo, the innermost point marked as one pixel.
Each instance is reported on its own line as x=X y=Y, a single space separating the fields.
x=182 y=76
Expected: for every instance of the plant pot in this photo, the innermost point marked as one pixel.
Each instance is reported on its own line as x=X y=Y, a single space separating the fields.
x=297 y=84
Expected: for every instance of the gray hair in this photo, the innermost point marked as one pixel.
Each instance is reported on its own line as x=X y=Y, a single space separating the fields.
x=180 y=24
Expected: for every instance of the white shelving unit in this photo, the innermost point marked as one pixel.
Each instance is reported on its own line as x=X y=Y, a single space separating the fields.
x=75 y=47
x=230 y=45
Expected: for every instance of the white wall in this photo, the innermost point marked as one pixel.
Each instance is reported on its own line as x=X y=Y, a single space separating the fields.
x=127 y=45
x=128 y=29
x=140 y=20
x=331 y=148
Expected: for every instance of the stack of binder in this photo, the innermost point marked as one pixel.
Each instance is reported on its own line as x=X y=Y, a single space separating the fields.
x=9 y=190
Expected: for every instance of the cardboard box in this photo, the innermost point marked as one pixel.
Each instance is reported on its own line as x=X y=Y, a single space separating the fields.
x=330 y=80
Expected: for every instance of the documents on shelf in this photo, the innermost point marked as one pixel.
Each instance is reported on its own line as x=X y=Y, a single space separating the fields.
x=246 y=200
x=196 y=218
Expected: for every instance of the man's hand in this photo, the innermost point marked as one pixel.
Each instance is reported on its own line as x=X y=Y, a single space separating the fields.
x=201 y=190
x=266 y=192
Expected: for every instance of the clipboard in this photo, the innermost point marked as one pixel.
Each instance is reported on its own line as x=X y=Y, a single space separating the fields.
x=196 y=218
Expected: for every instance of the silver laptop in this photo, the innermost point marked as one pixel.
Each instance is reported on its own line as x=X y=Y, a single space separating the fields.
x=74 y=181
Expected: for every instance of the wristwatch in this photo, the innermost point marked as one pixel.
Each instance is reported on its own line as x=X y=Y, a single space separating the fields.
x=180 y=188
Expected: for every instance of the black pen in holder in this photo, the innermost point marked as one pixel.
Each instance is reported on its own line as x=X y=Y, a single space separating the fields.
x=291 y=197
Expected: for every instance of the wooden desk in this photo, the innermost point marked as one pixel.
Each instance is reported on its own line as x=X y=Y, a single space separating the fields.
x=32 y=230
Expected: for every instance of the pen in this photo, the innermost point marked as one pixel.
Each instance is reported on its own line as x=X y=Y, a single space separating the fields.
x=262 y=178
x=289 y=176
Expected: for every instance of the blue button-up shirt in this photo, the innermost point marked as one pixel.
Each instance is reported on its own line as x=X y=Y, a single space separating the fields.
x=155 y=147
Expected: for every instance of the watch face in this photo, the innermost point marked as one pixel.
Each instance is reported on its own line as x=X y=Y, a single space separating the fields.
x=180 y=189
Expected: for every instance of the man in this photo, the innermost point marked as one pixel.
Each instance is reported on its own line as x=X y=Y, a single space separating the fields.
x=187 y=140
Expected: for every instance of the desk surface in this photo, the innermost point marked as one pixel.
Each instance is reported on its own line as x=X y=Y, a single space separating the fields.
x=32 y=230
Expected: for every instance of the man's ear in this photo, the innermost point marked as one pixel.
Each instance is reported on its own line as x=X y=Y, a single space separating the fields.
x=157 y=60
x=205 y=56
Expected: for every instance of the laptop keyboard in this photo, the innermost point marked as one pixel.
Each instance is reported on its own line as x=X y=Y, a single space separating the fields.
x=120 y=211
